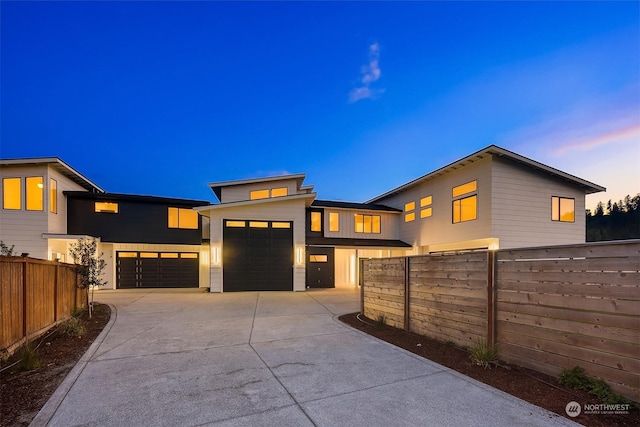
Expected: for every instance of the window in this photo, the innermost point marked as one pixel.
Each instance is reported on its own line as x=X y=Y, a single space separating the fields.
x=367 y=223
x=53 y=196
x=148 y=254
x=183 y=218
x=407 y=208
x=168 y=255
x=127 y=254
x=236 y=224
x=259 y=194
x=35 y=193
x=279 y=192
x=425 y=204
x=563 y=209
x=409 y=217
x=465 y=188
x=258 y=224
x=280 y=225
x=188 y=255
x=334 y=221
x=465 y=209
x=107 y=207
x=318 y=258
x=11 y=193
x=316 y=221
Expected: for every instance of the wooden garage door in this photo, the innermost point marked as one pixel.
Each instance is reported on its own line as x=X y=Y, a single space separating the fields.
x=257 y=256
x=157 y=270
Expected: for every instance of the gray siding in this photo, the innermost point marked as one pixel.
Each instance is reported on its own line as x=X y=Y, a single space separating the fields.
x=389 y=223
x=242 y=192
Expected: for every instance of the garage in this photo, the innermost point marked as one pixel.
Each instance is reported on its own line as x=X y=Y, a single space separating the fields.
x=257 y=255
x=157 y=270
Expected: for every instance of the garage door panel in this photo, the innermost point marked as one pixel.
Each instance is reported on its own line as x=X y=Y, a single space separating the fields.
x=158 y=270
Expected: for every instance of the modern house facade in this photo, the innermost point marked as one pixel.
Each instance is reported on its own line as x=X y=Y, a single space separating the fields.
x=274 y=234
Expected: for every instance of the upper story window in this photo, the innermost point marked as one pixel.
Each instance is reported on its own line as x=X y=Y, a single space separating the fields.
x=34 y=186
x=106 y=207
x=334 y=221
x=316 y=221
x=53 y=196
x=11 y=193
x=409 y=208
x=183 y=218
x=465 y=208
x=367 y=223
x=563 y=209
x=265 y=194
x=426 y=209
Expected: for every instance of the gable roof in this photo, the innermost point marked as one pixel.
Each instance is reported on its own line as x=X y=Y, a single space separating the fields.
x=491 y=151
x=59 y=166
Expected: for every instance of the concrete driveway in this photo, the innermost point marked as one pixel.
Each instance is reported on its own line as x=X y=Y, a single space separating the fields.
x=263 y=358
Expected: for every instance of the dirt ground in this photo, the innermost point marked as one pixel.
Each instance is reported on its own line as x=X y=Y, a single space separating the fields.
x=540 y=389
x=23 y=393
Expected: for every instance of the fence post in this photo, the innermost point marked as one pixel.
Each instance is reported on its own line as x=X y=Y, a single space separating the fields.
x=491 y=307
x=25 y=282
x=406 y=294
x=362 y=264
x=55 y=292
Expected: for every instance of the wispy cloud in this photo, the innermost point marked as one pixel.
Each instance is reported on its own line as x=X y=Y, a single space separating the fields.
x=370 y=73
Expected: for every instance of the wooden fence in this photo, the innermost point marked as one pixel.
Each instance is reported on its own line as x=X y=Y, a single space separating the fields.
x=547 y=309
x=34 y=296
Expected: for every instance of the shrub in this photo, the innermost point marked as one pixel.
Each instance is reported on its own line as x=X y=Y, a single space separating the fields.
x=381 y=321
x=77 y=312
x=483 y=354
x=29 y=357
x=72 y=328
x=575 y=378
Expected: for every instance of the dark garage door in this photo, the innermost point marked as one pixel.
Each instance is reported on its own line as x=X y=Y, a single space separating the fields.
x=257 y=256
x=157 y=270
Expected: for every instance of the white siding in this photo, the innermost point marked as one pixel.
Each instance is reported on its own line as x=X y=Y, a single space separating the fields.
x=522 y=208
x=242 y=192
x=58 y=221
x=347 y=223
x=439 y=228
x=274 y=210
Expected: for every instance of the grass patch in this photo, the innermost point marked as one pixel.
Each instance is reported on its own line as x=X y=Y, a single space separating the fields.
x=29 y=357
x=381 y=321
x=72 y=328
x=483 y=354
x=576 y=379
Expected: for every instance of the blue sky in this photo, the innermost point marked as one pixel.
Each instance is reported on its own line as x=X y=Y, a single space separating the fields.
x=162 y=98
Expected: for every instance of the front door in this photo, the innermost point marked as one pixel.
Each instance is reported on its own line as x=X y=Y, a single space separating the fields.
x=320 y=267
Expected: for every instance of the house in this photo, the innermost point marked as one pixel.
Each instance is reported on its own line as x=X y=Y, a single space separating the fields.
x=274 y=234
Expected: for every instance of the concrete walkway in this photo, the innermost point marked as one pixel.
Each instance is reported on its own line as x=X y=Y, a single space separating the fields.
x=185 y=358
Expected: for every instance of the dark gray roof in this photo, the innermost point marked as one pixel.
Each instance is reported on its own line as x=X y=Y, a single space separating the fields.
x=340 y=241
x=134 y=198
x=352 y=205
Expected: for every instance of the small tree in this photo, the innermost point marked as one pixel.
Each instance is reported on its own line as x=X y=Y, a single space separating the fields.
x=89 y=267
x=6 y=250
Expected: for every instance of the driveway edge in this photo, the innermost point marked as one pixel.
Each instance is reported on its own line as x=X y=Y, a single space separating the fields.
x=49 y=409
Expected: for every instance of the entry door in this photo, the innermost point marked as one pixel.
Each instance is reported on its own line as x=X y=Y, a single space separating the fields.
x=320 y=267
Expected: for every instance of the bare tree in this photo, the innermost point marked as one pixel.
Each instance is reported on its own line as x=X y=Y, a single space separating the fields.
x=89 y=265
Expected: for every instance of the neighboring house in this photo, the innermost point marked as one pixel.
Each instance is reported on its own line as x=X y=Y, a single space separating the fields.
x=273 y=234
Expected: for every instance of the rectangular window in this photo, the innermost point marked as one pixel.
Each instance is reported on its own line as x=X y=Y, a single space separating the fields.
x=106 y=207
x=279 y=192
x=11 y=193
x=409 y=206
x=148 y=254
x=334 y=221
x=465 y=209
x=182 y=218
x=53 y=196
x=316 y=221
x=426 y=212
x=259 y=194
x=367 y=223
x=563 y=209
x=168 y=255
x=236 y=224
x=465 y=188
x=189 y=255
x=426 y=201
x=409 y=217
x=280 y=225
x=318 y=258
x=258 y=224
x=35 y=193
x=127 y=254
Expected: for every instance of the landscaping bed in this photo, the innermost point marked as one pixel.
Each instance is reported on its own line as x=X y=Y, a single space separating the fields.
x=24 y=392
x=534 y=387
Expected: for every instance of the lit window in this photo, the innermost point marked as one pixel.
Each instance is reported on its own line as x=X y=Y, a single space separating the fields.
x=236 y=224
x=367 y=223
x=563 y=209
x=316 y=221
x=259 y=194
x=318 y=258
x=465 y=188
x=106 y=207
x=127 y=254
x=35 y=193
x=426 y=212
x=168 y=255
x=11 y=193
x=334 y=221
x=258 y=224
x=409 y=217
x=189 y=255
x=409 y=206
x=280 y=225
x=183 y=218
x=426 y=201
x=279 y=192
x=148 y=254
x=53 y=196
x=465 y=209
